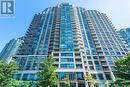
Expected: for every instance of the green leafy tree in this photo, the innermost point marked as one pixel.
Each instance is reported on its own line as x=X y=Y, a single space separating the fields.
x=90 y=79
x=122 y=71
x=6 y=71
x=66 y=81
x=47 y=75
x=19 y=83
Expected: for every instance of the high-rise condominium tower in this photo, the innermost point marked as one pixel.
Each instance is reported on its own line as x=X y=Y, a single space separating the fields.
x=125 y=35
x=10 y=49
x=81 y=41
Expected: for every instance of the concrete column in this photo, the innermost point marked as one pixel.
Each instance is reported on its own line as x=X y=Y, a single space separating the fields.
x=58 y=85
x=76 y=84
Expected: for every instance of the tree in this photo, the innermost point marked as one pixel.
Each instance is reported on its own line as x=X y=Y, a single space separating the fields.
x=47 y=75
x=122 y=70
x=6 y=71
x=19 y=83
x=90 y=79
x=66 y=81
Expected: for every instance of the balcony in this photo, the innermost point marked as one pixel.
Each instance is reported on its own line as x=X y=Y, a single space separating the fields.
x=78 y=60
x=105 y=68
x=103 y=63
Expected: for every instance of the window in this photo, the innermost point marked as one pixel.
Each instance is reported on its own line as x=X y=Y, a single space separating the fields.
x=56 y=66
x=81 y=85
x=113 y=68
x=25 y=77
x=63 y=85
x=67 y=60
x=98 y=68
x=77 y=54
x=34 y=67
x=95 y=57
x=79 y=66
x=90 y=62
x=72 y=84
x=110 y=62
x=70 y=75
x=17 y=76
x=112 y=53
x=80 y=76
x=29 y=63
x=93 y=52
x=66 y=54
x=89 y=57
x=94 y=76
x=108 y=76
x=96 y=62
x=100 y=76
x=108 y=57
x=114 y=57
x=56 y=54
x=61 y=75
x=67 y=65
x=91 y=67
x=106 y=53
x=32 y=77
x=118 y=53
x=56 y=60
x=78 y=60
